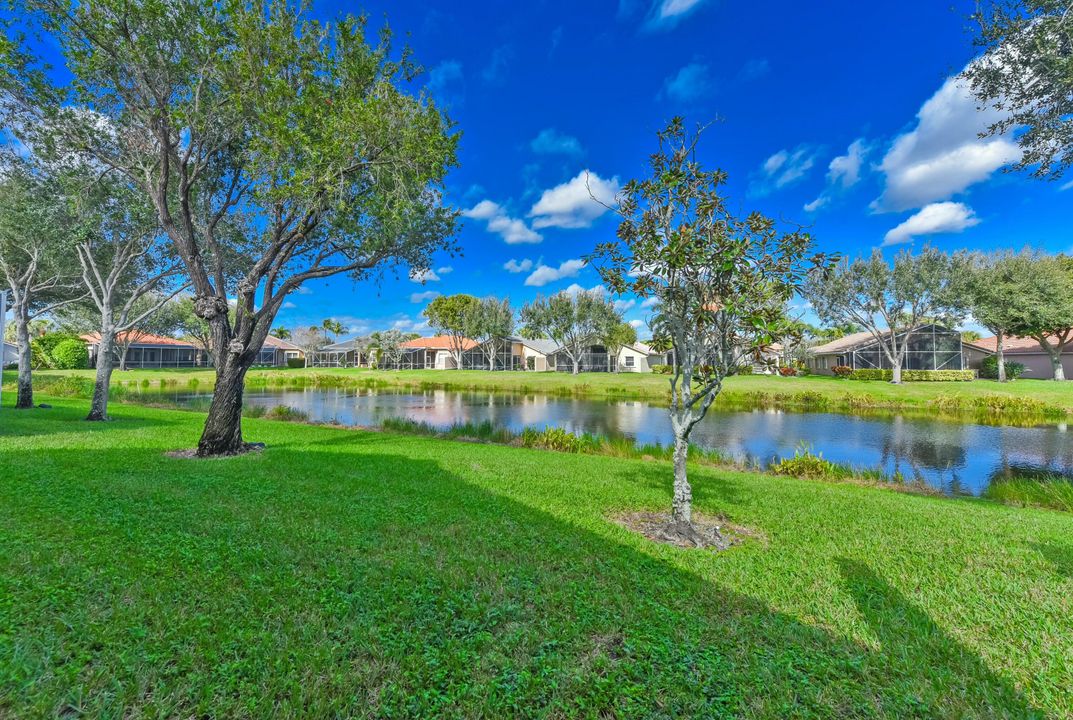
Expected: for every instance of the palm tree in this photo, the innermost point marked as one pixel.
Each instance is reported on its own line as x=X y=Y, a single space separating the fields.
x=333 y=327
x=281 y=332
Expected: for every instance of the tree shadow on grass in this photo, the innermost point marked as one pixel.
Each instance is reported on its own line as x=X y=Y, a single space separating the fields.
x=1059 y=556
x=935 y=673
x=67 y=418
x=340 y=579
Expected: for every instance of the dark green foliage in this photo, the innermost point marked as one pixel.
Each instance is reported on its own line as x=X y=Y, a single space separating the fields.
x=41 y=349
x=989 y=368
x=295 y=363
x=71 y=354
x=842 y=371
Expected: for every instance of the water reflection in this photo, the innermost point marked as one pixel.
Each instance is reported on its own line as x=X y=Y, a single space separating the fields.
x=959 y=458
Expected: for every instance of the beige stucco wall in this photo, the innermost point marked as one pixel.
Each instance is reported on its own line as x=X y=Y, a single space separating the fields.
x=1038 y=365
x=640 y=361
x=540 y=360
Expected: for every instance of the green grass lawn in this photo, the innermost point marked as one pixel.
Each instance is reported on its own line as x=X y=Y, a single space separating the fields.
x=346 y=573
x=922 y=395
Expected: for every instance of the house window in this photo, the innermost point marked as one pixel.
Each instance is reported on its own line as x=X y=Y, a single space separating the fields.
x=629 y=361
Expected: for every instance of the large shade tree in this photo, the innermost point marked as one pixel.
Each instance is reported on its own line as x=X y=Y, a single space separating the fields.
x=1024 y=73
x=894 y=300
x=1046 y=307
x=721 y=281
x=274 y=148
x=575 y=321
x=997 y=299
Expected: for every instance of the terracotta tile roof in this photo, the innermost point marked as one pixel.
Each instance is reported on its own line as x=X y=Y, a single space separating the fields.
x=139 y=338
x=437 y=342
x=1012 y=345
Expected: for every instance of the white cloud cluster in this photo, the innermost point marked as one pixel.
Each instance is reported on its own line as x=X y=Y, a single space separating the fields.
x=575 y=203
x=944 y=154
x=784 y=168
x=518 y=266
x=545 y=274
x=424 y=276
x=513 y=230
x=689 y=84
x=666 y=14
x=423 y=296
x=940 y=217
x=574 y=289
x=622 y=305
x=843 y=172
x=551 y=142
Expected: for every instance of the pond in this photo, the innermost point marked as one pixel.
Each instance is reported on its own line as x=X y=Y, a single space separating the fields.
x=955 y=457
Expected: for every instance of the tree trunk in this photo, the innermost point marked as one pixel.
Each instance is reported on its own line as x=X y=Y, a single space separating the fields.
x=98 y=409
x=1056 y=363
x=223 y=426
x=123 y=357
x=1000 y=342
x=25 y=396
x=576 y=368
x=682 y=504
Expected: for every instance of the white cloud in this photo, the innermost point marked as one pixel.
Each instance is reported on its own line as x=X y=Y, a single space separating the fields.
x=445 y=270
x=784 y=168
x=570 y=204
x=289 y=306
x=512 y=230
x=941 y=217
x=495 y=72
x=574 y=289
x=545 y=274
x=650 y=302
x=843 y=172
x=515 y=266
x=666 y=14
x=635 y=324
x=423 y=296
x=408 y=324
x=303 y=290
x=689 y=84
x=552 y=142
x=624 y=305
x=424 y=276
x=944 y=154
x=446 y=82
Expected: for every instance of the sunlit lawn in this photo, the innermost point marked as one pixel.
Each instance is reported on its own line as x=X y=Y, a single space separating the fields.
x=344 y=573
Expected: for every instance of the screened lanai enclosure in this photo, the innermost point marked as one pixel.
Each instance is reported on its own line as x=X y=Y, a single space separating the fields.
x=932 y=347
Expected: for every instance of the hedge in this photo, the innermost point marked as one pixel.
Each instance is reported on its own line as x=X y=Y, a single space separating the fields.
x=295 y=362
x=915 y=375
x=70 y=355
x=989 y=368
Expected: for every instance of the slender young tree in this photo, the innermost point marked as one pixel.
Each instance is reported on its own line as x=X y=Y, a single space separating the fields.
x=574 y=321
x=447 y=315
x=127 y=270
x=720 y=280
x=387 y=344
x=37 y=263
x=311 y=339
x=275 y=149
x=489 y=323
x=893 y=300
x=615 y=336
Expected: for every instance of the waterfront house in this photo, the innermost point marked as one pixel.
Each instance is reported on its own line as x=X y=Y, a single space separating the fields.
x=1022 y=350
x=147 y=350
x=9 y=354
x=932 y=347
x=278 y=353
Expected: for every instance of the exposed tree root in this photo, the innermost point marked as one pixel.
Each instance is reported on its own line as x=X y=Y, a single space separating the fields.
x=703 y=532
x=191 y=454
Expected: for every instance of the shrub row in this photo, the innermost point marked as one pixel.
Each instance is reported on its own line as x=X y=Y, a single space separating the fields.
x=989 y=368
x=915 y=375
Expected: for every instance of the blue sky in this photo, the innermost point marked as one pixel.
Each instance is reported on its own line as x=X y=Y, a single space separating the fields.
x=838 y=115
x=840 y=118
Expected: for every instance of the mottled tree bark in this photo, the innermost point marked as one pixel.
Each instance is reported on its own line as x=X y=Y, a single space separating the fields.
x=98 y=409
x=25 y=394
x=1000 y=348
x=682 y=503
x=223 y=426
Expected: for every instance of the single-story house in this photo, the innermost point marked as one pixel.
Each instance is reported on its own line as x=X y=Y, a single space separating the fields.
x=431 y=353
x=1022 y=350
x=150 y=351
x=345 y=353
x=276 y=352
x=932 y=347
x=9 y=354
